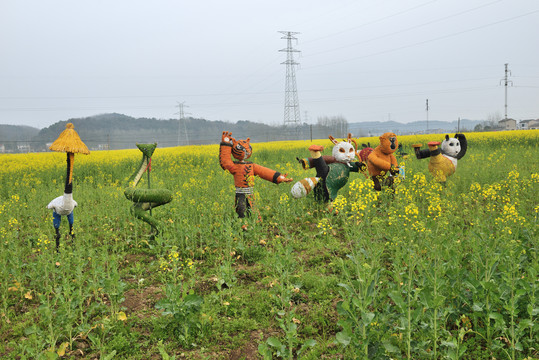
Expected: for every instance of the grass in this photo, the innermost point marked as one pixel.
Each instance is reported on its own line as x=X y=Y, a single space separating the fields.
x=423 y=272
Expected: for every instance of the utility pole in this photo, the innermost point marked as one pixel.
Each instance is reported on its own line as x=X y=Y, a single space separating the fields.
x=427 y=109
x=181 y=120
x=506 y=82
x=291 y=105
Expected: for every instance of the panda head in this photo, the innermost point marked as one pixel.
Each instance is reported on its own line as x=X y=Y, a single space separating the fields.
x=450 y=146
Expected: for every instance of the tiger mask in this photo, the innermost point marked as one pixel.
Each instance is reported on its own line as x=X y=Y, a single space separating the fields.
x=241 y=149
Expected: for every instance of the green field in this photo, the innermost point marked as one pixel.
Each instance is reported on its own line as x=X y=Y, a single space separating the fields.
x=424 y=271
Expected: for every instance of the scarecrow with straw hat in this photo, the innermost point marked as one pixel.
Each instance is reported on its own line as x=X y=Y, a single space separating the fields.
x=70 y=143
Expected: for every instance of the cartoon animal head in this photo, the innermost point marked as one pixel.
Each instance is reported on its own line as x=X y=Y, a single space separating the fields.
x=343 y=151
x=364 y=153
x=451 y=146
x=388 y=143
x=241 y=149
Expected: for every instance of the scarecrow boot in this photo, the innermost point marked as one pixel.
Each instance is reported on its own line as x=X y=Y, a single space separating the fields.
x=376 y=181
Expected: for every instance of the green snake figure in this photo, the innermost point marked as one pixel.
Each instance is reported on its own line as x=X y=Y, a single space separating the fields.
x=146 y=199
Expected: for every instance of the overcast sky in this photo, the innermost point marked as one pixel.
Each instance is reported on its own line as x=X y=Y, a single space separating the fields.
x=364 y=60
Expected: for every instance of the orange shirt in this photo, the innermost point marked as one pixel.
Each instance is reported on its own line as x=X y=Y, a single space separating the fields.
x=244 y=171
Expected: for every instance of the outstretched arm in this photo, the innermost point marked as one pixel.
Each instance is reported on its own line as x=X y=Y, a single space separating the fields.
x=225 y=149
x=379 y=163
x=307 y=163
x=270 y=175
x=394 y=165
x=358 y=166
x=463 y=145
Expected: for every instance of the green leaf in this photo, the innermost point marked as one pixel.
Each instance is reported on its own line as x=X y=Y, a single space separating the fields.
x=426 y=299
x=273 y=341
x=264 y=351
x=343 y=307
x=451 y=344
x=494 y=266
x=110 y=356
x=487 y=285
x=390 y=347
x=343 y=338
x=526 y=323
x=370 y=289
x=31 y=330
x=162 y=351
x=462 y=350
x=397 y=299
x=347 y=287
x=307 y=344
x=477 y=307
x=51 y=355
x=367 y=317
x=193 y=300
x=519 y=293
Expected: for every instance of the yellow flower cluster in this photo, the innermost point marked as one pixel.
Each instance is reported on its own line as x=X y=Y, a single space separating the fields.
x=361 y=197
x=324 y=225
x=173 y=262
x=339 y=203
x=42 y=243
x=509 y=217
x=13 y=222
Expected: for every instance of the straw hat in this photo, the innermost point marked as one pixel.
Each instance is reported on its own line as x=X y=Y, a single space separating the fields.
x=69 y=141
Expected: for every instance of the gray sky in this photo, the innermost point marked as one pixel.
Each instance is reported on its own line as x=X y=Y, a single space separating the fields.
x=365 y=60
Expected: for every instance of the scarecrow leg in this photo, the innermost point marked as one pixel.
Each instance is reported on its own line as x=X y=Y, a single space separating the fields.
x=70 y=219
x=56 y=220
x=420 y=154
x=321 y=192
x=243 y=206
x=57 y=238
x=377 y=185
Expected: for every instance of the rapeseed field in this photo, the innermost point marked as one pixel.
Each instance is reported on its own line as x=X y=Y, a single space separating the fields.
x=421 y=271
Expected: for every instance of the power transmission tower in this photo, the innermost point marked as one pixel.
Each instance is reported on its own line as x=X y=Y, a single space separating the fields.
x=181 y=121
x=506 y=82
x=291 y=104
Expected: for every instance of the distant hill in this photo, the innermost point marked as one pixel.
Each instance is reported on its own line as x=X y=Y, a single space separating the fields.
x=376 y=128
x=15 y=138
x=118 y=131
x=17 y=132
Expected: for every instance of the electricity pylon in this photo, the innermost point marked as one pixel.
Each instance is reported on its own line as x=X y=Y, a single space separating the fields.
x=182 y=121
x=291 y=103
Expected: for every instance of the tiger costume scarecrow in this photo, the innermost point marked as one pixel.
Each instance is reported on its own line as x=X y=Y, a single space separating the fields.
x=244 y=171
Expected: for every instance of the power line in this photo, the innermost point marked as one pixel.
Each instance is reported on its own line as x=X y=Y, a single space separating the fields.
x=425 y=41
x=374 y=21
x=407 y=29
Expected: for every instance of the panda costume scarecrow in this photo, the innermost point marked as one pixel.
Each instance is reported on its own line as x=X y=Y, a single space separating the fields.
x=443 y=159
